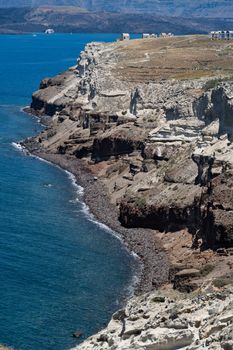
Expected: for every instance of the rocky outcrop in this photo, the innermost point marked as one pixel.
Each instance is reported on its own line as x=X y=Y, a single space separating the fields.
x=155 y=321
x=174 y=136
x=152 y=122
x=55 y=94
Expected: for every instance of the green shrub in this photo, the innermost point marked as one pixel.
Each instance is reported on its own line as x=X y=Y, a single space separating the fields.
x=211 y=84
x=222 y=282
x=140 y=202
x=206 y=269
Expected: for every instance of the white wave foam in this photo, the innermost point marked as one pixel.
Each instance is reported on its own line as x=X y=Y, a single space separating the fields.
x=43 y=160
x=80 y=193
x=130 y=288
x=85 y=208
x=79 y=189
x=26 y=109
x=133 y=284
x=86 y=211
x=22 y=109
x=90 y=217
x=19 y=147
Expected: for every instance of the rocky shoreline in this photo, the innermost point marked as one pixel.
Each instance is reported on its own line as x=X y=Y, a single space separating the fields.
x=146 y=128
x=142 y=242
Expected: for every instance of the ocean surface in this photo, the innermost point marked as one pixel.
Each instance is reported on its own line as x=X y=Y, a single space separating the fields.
x=60 y=271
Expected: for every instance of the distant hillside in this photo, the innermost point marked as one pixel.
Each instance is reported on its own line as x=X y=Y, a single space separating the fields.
x=75 y=19
x=181 y=8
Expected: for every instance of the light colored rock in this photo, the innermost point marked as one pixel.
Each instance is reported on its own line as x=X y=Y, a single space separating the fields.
x=172 y=324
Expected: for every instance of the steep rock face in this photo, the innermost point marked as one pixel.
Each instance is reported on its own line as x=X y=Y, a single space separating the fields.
x=152 y=120
x=54 y=93
x=123 y=140
x=167 y=128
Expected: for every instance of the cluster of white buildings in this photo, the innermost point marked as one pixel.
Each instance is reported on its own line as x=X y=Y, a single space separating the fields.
x=214 y=35
x=166 y=35
x=221 y=35
x=126 y=36
x=147 y=35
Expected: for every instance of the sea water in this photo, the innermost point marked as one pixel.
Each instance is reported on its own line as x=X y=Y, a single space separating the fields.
x=59 y=270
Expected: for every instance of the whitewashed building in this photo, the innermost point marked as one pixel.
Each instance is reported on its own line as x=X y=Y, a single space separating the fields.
x=147 y=35
x=125 y=36
x=166 y=35
x=221 y=35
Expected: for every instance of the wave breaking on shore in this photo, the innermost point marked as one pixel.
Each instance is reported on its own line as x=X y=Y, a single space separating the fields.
x=89 y=216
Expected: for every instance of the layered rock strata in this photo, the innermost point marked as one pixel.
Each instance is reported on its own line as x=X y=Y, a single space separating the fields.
x=156 y=115
x=151 y=123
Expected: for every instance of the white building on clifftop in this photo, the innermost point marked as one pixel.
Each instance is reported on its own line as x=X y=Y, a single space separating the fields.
x=125 y=36
x=221 y=35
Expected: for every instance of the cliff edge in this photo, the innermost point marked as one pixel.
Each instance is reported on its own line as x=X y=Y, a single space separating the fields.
x=151 y=120
x=155 y=116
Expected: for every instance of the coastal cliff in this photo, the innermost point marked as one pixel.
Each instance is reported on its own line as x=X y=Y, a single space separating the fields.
x=159 y=322
x=150 y=121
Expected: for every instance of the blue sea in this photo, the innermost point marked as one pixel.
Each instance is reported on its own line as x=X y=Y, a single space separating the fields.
x=60 y=270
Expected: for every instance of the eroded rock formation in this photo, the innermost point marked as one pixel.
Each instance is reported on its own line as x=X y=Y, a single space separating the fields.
x=152 y=120
x=159 y=122
x=157 y=322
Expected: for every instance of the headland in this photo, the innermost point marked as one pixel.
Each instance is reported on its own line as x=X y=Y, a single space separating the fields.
x=146 y=128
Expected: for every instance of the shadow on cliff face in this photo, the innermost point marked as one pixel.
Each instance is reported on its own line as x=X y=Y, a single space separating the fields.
x=216 y=105
x=167 y=134
x=105 y=148
x=204 y=207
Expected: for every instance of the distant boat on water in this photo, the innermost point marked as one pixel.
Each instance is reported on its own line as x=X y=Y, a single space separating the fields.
x=49 y=31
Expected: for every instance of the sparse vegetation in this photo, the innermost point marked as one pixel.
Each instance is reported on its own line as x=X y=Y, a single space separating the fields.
x=222 y=282
x=212 y=84
x=192 y=74
x=178 y=58
x=206 y=269
x=140 y=202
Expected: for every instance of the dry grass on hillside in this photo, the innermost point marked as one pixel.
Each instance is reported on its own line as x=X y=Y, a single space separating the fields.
x=190 y=57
